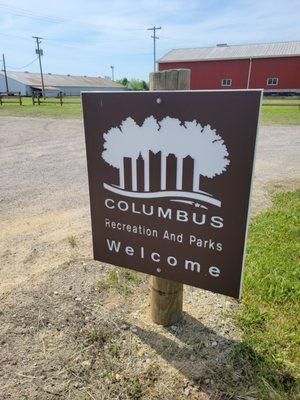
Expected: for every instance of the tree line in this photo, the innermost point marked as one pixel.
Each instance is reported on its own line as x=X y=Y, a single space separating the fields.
x=134 y=84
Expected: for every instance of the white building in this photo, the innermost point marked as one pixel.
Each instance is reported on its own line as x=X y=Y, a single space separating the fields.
x=69 y=85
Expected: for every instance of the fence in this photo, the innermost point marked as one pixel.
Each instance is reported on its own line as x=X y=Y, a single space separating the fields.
x=11 y=97
x=38 y=99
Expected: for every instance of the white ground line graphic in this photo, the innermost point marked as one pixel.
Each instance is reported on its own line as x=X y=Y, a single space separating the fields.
x=168 y=193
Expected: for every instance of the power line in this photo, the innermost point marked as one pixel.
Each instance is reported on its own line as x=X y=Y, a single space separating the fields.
x=24 y=66
x=22 y=12
x=154 y=29
x=66 y=41
x=50 y=40
x=15 y=36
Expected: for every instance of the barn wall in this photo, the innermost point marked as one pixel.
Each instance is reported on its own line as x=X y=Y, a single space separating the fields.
x=13 y=85
x=208 y=74
x=287 y=70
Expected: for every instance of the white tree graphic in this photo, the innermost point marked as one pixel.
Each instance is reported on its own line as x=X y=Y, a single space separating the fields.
x=208 y=150
x=173 y=140
x=129 y=140
x=148 y=141
x=169 y=136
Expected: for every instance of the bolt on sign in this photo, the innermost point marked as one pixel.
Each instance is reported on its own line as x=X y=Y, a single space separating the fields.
x=170 y=177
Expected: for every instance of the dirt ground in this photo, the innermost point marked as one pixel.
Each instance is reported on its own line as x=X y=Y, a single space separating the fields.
x=65 y=332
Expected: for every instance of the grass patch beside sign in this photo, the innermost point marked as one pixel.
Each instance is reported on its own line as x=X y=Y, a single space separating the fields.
x=270 y=312
x=280 y=115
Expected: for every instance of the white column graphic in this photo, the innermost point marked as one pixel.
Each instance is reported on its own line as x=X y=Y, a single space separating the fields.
x=134 y=173
x=122 y=176
x=179 y=174
x=163 y=171
x=146 y=171
x=195 y=178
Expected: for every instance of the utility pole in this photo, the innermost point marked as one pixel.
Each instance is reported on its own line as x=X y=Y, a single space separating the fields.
x=154 y=37
x=40 y=54
x=5 y=74
x=112 y=73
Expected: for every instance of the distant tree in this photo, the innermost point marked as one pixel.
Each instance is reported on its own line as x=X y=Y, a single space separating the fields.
x=145 y=85
x=134 y=84
x=123 y=82
x=137 y=84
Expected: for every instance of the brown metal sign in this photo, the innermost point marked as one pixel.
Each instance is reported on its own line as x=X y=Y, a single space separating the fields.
x=170 y=176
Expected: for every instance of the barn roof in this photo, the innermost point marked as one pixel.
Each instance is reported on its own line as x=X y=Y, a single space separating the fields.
x=231 y=52
x=54 y=80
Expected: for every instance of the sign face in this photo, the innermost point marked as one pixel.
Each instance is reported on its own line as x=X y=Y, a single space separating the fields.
x=170 y=176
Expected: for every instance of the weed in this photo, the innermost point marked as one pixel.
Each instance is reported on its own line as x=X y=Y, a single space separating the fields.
x=111 y=375
x=121 y=279
x=72 y=241
x=96 y=335
x=134 y=388
x=130 y=276
x=198 y=347
x=113 y=278
x=113 y=348
x=126 y=289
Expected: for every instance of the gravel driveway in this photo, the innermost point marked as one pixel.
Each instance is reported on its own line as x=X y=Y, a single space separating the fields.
x=44 y=191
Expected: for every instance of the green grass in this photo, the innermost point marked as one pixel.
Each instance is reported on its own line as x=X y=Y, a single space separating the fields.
x=270 y=314
x=121 y=279
x=47 y=110
x=72 y=241
x=268 y=100
x=271 y=115
x=280 y=115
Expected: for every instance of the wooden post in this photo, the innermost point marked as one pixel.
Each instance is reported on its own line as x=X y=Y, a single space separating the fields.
x=60 y=98
x=20 y=99
x=167 y=296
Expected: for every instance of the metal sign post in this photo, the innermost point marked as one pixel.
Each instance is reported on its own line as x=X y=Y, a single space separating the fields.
x=170 y=174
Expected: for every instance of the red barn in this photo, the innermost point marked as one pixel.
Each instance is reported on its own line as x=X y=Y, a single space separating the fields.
x=274 y=67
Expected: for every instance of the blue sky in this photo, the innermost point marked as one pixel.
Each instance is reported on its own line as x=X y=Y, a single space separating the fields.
x=87 y=37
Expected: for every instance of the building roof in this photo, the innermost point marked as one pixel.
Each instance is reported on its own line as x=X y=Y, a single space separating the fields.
x=231 y=52
x=54 y=80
